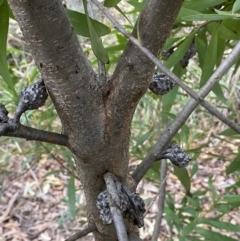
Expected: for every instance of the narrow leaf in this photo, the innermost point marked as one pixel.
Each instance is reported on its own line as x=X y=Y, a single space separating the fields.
x=210 y=58
x=185 y=12
x=228 y=132
x=181 y=50
x=125 y=16
x=183 y=177
x=234 y=165
x=209 y=17
x=221 y=225
x=97 y=46
x=236 y=6
x=4 y=21
x=80 y=25
x=211 y=235
x=111 y=3
x=71 y=196
x=201 y=5
x=232 y=199
x=223 y=31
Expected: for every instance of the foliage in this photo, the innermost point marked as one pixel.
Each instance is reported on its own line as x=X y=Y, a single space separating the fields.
x=213 y=27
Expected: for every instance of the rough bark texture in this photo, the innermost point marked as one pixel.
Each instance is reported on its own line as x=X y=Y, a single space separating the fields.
x=97 y=121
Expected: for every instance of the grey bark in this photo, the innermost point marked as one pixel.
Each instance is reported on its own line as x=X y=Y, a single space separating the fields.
x=96 y=120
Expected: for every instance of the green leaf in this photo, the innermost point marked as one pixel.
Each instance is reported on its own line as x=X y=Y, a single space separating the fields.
x=4 y=20
x=188 y=228
x=111 y=3
x=27 y=161
x=181 y=50
x=80 y=25
x=183 y=176
x=201 y=5
x=234 y=165
x=210 y=58
x=231 y=199
x=170 y=42
x=227 y=13
x=71 y=196
x=116 y=48
x=174 y=217
x=153 y=173
x=212 y=189
x=221 y=225
x=228 y=132
x=236 y=6
x=142 y=139
x=136 y=5
x=185 y=12
x=194 y=169
x=125 y=16
x=169 y=99
x=201 y=50
x=211 y=235
x=97 y=46
x=209 y=17
x=217 y=90
x=223 y=31
x=53 y=173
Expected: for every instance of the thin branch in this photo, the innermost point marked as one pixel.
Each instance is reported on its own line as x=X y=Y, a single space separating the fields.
x=199 y=98
x=60 y=160
x=161 y=201
x=155 y=60
x=37 y=135
x=114 y=202
x=82 y=233
x=158 y=193
x=141 y=170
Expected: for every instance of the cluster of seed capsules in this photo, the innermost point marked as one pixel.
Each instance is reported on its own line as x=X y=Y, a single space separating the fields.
x=30 y=98
x=131 y=205
x=161 y=84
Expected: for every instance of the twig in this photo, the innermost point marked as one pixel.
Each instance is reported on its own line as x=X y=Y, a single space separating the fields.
x=9 y=207
x=82 y=233
x=114 y=202
x=161 y=201
x=184 y=114
x=162 y=186
x=60 y=160
x=37 y=135
x=155 y=60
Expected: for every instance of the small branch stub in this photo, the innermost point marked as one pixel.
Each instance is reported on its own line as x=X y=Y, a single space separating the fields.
x=176 y=155
x=32 y=97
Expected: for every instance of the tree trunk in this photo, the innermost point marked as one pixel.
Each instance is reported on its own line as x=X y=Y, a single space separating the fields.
x=97 y=120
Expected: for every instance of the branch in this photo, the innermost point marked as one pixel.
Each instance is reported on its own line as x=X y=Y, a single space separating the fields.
x=161 y=201
x=131 y=77
x=177 y=80
x=33 y=134
x=141 y=170
x=82 y=233
x=114 y=201
x=64 y=67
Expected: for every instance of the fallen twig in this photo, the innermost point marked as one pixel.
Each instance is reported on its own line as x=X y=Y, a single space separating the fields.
x=82 y=233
